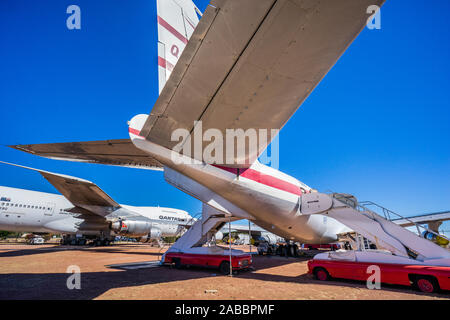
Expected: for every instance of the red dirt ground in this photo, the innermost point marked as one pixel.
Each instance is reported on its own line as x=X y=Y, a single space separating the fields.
x=39 y=272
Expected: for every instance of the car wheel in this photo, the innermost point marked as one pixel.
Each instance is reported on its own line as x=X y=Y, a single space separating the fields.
x=426 y=284
x=224 y=267
x=177 y=263
x=321 y=274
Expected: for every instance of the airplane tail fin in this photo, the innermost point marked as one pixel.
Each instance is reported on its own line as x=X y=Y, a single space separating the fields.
x=177 y=20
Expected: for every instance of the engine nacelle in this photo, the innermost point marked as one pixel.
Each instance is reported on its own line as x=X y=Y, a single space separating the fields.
x=154 y=234
x=132 y=228
x=435 y=238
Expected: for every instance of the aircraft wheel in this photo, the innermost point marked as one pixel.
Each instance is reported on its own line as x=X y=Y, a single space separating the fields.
x=295 y=250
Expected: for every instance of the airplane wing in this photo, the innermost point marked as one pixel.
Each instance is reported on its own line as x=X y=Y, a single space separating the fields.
x=251 y=64
x=112 y=152
x=81 y=193
x=255 y=230
x=424 y=218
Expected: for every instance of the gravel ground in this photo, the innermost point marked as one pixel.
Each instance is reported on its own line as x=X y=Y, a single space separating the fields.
x=39 y=272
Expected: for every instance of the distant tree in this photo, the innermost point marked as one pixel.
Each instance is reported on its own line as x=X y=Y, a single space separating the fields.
x=4 y=234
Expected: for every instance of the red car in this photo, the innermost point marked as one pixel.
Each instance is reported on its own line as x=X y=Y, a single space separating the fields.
x=331 y=246
x=222 y=262
x=425 y=278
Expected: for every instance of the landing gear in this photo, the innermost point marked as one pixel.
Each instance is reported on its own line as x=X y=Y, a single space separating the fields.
x=70 y=240
x=101 y=242
x=287 y=250
x=82 y=241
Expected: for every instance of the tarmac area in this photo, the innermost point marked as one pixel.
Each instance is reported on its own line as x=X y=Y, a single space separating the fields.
x=40 y=272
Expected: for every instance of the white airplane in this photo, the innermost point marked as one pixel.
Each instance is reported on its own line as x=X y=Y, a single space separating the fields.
x=84 y=211
x=246 y=65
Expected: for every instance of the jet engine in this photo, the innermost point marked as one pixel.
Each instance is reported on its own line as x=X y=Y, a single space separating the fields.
x=154 y=234
x=435 y=238
x=135 y=229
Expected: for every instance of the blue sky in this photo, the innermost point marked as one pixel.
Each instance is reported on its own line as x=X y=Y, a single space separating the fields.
x=377 y=126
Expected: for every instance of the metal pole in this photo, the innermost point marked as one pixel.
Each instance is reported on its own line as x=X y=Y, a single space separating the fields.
x=229 y=241
x=250 y=236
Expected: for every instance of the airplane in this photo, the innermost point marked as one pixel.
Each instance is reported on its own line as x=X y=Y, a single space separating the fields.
x=245 y=66
x=83 y=212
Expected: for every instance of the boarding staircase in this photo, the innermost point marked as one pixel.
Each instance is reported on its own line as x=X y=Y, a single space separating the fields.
x=182 y=229
x=202 y=230
x=381 y=231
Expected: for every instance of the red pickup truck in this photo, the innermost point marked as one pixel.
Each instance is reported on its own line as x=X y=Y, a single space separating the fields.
x=222 y=262
x=424 y=278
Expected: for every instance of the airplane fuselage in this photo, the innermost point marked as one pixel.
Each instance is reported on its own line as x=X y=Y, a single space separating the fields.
x=32 y=211
x=260 y=193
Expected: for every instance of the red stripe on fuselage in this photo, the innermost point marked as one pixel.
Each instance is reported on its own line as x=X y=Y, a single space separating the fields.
x=165 y=64
x=265 y=179
x=134 y=131
x=172 y=30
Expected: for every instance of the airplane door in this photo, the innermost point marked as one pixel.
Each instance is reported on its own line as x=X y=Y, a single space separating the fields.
x=49 y=208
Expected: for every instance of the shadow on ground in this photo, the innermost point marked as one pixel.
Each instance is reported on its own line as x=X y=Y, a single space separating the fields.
x=33 y=250
x=94 y=284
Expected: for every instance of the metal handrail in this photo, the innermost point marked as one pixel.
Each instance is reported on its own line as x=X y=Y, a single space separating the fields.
x=388 y=213
x=361 y=207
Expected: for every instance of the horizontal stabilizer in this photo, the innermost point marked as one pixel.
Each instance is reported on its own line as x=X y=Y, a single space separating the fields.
x=120 y=152
x=249 y=65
